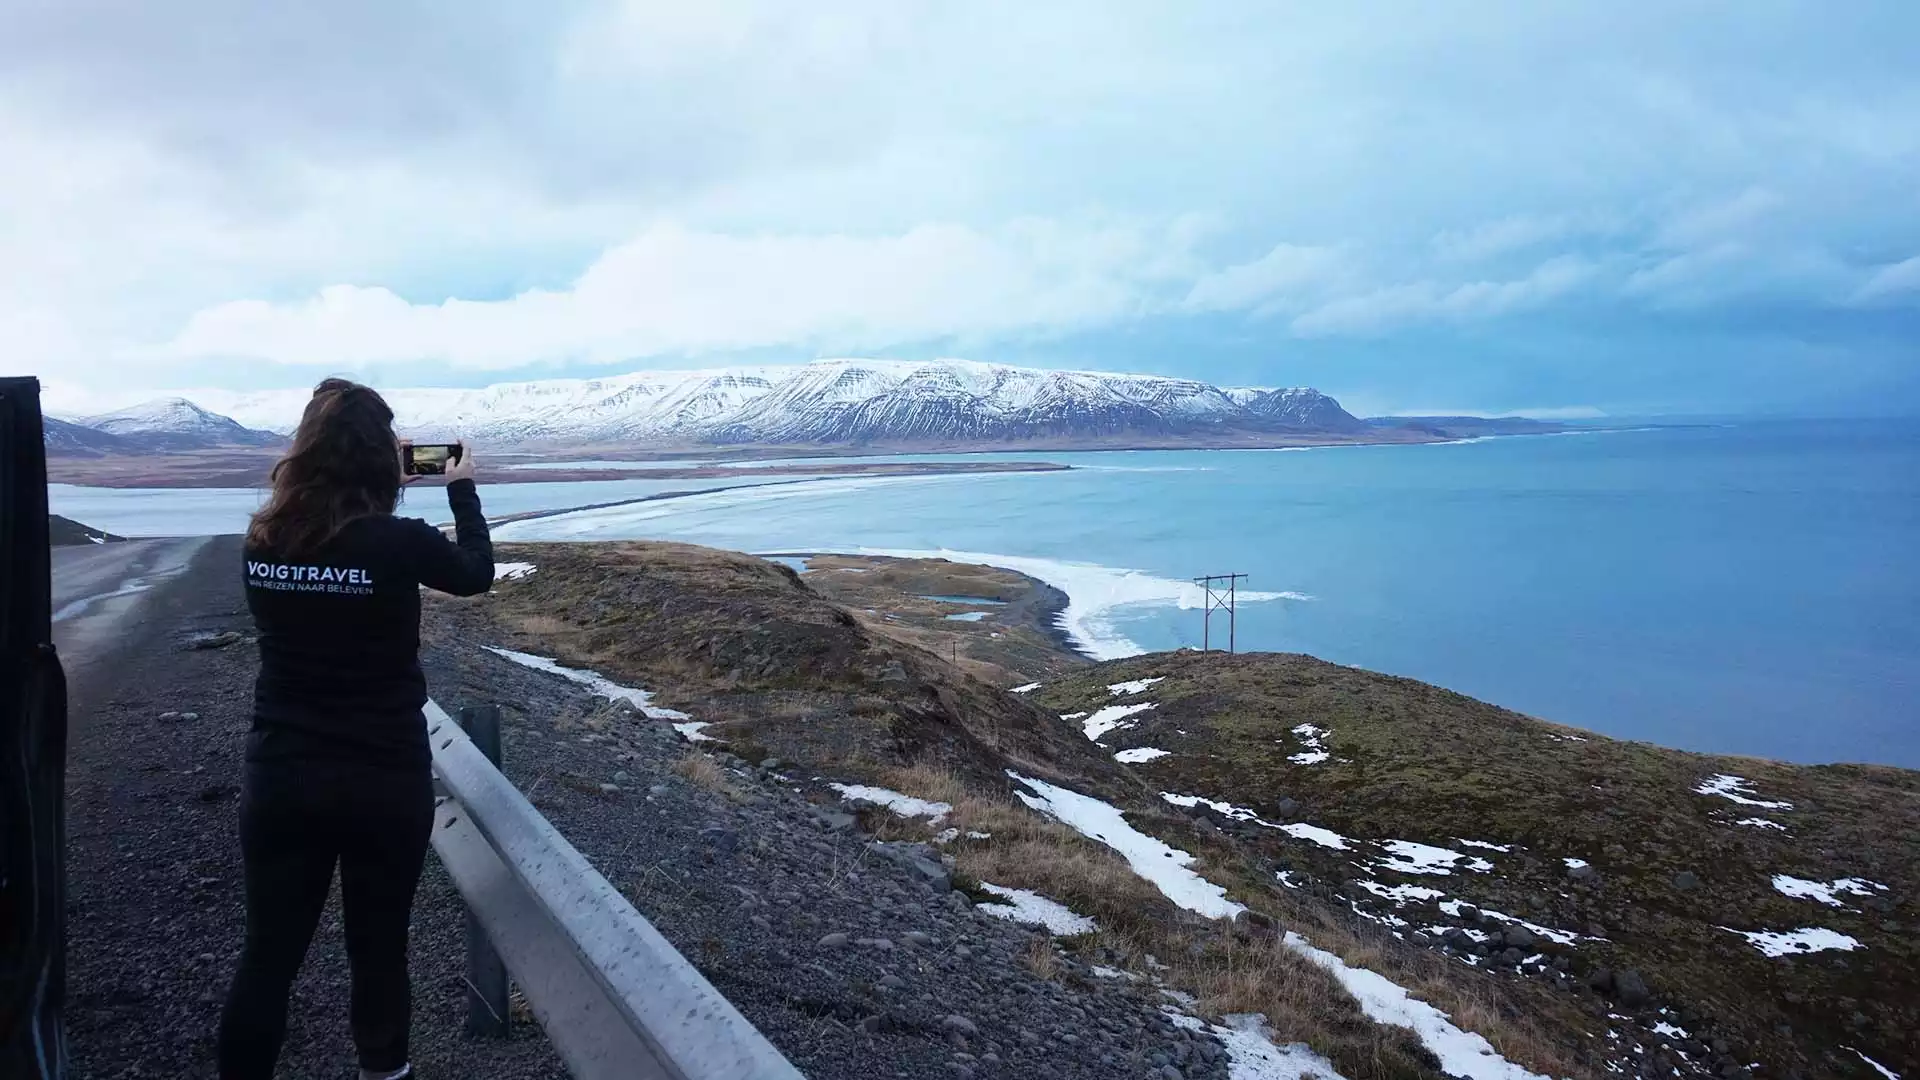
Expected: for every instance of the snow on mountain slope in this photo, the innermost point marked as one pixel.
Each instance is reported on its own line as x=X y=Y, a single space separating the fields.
x=858 y=402
x=66 y=439
x=177 y=424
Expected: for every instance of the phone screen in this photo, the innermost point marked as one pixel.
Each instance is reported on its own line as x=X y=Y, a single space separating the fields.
x=430 y=459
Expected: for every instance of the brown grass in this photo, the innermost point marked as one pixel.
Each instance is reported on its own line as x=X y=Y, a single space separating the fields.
x=1230 y=967
x=703 y=772
x=1041 y=959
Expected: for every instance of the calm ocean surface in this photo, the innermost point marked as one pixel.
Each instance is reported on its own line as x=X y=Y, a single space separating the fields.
x=1748 y=589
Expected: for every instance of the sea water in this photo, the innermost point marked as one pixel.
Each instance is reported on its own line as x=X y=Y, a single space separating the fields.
x=1747 y=589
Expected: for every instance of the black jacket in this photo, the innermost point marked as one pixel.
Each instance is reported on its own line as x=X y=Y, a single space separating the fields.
x=340 y=634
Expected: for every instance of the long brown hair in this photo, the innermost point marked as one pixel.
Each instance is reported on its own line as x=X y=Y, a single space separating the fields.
x=344 y=465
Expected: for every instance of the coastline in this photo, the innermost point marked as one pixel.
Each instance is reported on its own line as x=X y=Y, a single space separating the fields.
x=1043 y=612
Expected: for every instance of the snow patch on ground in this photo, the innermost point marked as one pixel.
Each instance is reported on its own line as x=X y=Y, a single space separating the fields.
x=1881 y=1069
x=1827 y=892
x=1736 y=789
x=1409 y=857
x=1760 y=823
x=596 y=683
x=904 y=805
x=1401 y=894
x=1027 y=689
x=1811 y=939
x=1314 y=738
x=1564 y=937
x=1671 y=1031
x=1253 y=1055
x=1574 y=864
x=507 y=571
x=967 y=616
x=1133 y=686
x=1326 y=838
x=1225 y=809
x=1286 y=878
x=1166 y=867
x=690 y=731
x=1484 y=845
x=1029 y=907
x=1110 y=718
x=1461 y=1053
x=1140 y=754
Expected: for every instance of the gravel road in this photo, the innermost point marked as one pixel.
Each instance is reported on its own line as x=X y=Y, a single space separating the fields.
x=155 y=916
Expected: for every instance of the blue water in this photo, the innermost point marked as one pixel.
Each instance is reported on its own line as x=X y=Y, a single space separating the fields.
x=1750 y=589
x=212 y=511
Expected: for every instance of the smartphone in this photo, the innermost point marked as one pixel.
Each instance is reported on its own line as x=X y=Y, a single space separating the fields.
x=430 y=459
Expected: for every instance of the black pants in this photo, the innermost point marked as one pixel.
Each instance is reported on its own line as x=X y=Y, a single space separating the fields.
x=297 y=819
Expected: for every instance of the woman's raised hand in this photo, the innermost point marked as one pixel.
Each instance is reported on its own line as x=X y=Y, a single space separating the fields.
x=461 y=469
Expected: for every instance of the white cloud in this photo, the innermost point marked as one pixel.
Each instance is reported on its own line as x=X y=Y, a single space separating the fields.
x=602 y=179
x=1500 y=237
x=1716 y=221
x=1398 y=305
x=1268 y=282
x=1892 y=280
x=674 y=290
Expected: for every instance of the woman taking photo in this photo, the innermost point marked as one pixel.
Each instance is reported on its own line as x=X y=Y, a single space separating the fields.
x=337 y=763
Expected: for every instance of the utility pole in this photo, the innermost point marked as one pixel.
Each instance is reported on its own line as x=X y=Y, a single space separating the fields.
x=1220 y=596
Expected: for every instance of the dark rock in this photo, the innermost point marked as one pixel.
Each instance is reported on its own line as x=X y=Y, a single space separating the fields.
x=1601 y=980
x=1630 y=988
x=957 y=1023
x=1583 y=872
x=1520 y=937
x=834 y=941
x=924 y=861
x=772 y=763
x=1686 y=881
x=1512 y=957
x=835 y=820
x=1287 y=807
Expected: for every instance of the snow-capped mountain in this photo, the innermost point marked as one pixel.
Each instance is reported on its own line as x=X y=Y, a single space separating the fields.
x=176 y=424
x=66 y=439
x=835 y=402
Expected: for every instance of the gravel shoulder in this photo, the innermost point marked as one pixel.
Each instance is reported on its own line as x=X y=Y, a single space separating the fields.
x=155 y=915
x=856 y=959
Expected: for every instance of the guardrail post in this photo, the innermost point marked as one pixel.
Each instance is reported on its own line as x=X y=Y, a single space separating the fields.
x=486 y=972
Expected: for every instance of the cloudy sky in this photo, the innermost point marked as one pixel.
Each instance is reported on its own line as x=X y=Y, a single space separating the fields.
x=1672 y=207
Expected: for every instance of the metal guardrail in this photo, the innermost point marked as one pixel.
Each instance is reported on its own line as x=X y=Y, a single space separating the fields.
x=616 y=999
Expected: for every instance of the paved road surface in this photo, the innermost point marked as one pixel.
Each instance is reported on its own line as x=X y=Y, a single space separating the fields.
x=99 y=591
x=154 y=914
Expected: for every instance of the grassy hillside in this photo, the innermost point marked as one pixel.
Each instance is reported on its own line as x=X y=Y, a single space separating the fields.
x=1670 y=874
x=1628 y=960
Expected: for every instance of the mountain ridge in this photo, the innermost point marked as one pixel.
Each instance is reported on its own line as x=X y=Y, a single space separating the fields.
x=839 y=402
x=163 y=424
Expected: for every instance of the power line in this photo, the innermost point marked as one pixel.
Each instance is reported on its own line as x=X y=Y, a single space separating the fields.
x=1221 y=595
